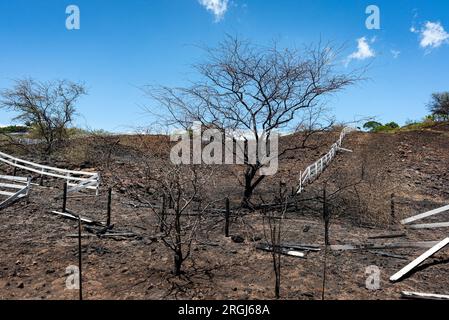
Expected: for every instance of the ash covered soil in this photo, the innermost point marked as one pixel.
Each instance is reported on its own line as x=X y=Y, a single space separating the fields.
x=36 y=247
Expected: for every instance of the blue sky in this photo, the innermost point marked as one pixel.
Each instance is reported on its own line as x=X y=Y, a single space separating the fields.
x=123 y=45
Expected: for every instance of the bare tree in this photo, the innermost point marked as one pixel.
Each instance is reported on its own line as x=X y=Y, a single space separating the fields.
x=48 y=106
x=174 y=194
x=257 y=89
x=273 y=223
x=180 y=221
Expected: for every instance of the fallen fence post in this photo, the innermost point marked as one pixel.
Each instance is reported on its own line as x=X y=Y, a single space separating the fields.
x=388 y=255
x=227 y=216
x=388 y=236
x=424 y=296
x=404 y=271
x=430 y=225
x=373 y=246
x=425 y=215
x=72 y=216
x=283 y=251
x=300 y=247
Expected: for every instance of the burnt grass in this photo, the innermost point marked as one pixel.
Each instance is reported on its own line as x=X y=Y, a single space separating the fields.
x=36 y=246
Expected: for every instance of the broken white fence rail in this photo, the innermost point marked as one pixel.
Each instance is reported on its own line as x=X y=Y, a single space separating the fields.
x=73 y=217
x=76 y=180
x=425 y=296
x=283 y=251
x=425 y=215
x=430 y=225
x=13 y=188
x=399 y=275
x=313 y=171
x=394 y=245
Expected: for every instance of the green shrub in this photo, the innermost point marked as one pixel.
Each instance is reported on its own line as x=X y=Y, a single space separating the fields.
x=14 y=129
x=372 y=125
x=391 y=126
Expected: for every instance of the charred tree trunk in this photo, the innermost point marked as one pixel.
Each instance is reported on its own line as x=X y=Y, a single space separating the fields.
x=250 y=185
x=177 y=261
x=178 y=258
x=277 y=261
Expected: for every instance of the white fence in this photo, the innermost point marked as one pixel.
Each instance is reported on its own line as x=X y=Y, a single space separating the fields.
x=13 y=188
x=29 y=142
x=76 y=180
x=313 y=171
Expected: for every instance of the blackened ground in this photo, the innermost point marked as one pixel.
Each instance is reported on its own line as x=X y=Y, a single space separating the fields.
x=36 y=247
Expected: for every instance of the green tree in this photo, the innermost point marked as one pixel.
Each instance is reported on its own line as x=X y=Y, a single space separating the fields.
x=439 y=106
x=48 y=106
x=392 y=125
x=372 y=125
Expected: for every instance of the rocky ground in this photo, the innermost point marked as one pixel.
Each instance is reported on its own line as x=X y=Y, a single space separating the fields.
x=36 y=246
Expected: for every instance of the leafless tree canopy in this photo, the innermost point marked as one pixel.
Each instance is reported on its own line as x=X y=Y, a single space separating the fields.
x=181 y=187
x=258 y=89
x=47 y=106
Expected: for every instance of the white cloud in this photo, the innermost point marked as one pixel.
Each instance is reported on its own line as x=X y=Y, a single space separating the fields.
x=363 y=51
x=395 y=53
x=217 y=7
x=432 y=35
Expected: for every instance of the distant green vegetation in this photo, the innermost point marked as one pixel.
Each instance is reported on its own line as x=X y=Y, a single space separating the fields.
x=35 y=133
x=438 y=106
x=392 y=127
x=32 y=131
x=374 y=126
x=14 y=129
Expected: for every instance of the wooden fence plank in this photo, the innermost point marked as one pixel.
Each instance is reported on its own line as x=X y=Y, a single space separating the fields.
x=72 y=217
x=404 y=271
x=11 y=186
x=8 y=194
x=11 y=178
x=425 y=296
x=430 y=225
x=86 y=180
x=425 y=215
x=394 y=245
